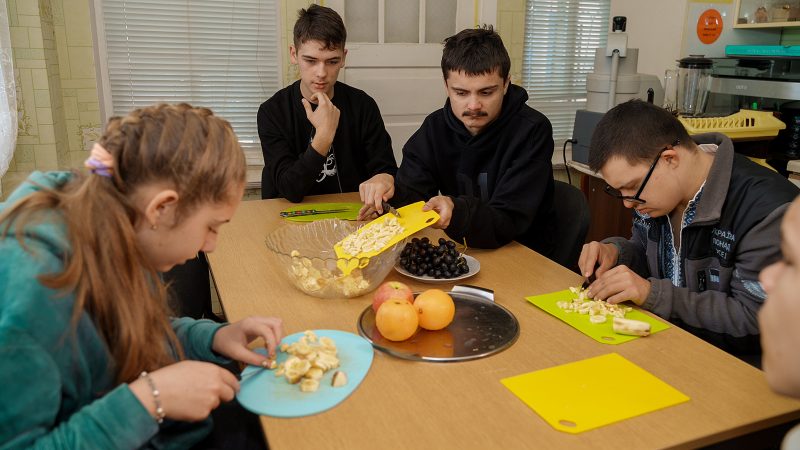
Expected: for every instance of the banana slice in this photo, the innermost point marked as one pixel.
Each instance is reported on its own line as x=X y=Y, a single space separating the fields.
x=309 y=385
x=327 y=345
x=339 y=379
x=597 y=319
x=326 y=361
x=310 y=336
x=295 y=368
x=315 y=373
x=302 y=348
x=631 y=327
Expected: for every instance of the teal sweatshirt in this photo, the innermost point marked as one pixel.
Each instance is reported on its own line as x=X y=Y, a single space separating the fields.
x=56 y=389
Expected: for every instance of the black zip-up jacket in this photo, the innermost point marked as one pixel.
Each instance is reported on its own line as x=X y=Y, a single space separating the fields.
x=734 y=235
x=361 y=147
x=501 y=180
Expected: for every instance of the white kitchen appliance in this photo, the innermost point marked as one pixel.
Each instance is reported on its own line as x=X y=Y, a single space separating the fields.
x=613 y=81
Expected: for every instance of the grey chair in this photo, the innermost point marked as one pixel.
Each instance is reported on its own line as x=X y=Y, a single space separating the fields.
x=572 y=223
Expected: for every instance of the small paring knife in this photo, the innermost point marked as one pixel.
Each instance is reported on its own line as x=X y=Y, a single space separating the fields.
x=588 y=281
x=390 y=209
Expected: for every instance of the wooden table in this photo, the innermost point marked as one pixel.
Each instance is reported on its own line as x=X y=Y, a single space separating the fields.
x=404 y=404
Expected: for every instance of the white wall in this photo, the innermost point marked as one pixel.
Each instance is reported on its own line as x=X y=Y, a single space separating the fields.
x=655 y=27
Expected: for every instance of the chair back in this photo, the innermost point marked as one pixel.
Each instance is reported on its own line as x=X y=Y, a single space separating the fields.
x=572 y=223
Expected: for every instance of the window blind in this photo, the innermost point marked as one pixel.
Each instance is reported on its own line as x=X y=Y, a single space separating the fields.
x=223 y=55
x=560 y=40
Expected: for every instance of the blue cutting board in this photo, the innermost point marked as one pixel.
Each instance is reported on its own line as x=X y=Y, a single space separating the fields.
x=264 y=393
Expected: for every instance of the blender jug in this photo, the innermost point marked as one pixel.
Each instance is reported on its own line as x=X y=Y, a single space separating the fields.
x=687 y=87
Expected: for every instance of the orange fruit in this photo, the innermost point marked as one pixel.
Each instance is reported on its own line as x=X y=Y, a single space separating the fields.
x=396 y=319
x=435 y=308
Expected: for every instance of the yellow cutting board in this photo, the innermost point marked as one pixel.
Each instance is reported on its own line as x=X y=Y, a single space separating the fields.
x=600 y=332
x=591 y=393
x=412 y=218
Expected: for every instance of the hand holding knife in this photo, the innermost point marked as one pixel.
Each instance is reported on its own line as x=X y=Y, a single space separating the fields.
x=369 y=212
x=596 y=256
x=589 y=281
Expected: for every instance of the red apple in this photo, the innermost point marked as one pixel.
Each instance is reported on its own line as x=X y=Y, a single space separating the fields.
x=391 y=290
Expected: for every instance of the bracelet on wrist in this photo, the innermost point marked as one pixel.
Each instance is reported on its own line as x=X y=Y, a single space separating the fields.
x=160 y=414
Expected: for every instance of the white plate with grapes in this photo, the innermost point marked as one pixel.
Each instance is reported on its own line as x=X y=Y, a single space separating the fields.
x=430 y=263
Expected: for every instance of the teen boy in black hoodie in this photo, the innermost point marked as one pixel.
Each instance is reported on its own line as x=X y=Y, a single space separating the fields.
x=486 y=151
x=320 y=136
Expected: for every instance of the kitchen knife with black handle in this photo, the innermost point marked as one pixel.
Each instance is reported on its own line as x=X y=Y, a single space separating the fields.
x=311 y=212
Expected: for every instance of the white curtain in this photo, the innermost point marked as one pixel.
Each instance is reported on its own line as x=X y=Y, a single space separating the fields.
x=8 y=95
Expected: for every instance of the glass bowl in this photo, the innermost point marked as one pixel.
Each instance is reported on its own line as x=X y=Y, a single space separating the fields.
x=305 y=253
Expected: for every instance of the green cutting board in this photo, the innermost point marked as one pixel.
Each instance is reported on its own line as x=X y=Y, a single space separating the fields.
x=600 y=332
x=350 y=214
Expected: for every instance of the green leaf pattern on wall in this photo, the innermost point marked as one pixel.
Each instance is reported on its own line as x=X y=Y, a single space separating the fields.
x=24 y=124
x=89 y=134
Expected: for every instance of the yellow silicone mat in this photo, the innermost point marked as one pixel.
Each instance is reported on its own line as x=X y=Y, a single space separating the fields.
x=591 y=393
x=600 y=332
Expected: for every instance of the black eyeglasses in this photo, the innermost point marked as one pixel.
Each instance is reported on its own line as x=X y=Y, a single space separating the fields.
x=635 y=197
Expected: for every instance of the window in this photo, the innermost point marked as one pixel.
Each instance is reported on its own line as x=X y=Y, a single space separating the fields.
x=560 y=40
x=223 y=55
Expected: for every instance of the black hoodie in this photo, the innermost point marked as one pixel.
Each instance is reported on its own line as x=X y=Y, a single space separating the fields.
x=500 y=181
x=293 y=169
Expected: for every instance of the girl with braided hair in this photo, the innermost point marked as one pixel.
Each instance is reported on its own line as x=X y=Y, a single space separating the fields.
x=91 y=358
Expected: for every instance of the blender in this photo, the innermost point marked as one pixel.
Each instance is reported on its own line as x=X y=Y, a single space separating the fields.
x=687 y=87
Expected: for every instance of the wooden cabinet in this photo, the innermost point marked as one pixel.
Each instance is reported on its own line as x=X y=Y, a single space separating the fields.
x=609 y=216
x=767 y=13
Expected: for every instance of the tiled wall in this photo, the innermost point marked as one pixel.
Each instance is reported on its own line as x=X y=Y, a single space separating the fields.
x=56 y=88
x=78 y=80
x=289 y=10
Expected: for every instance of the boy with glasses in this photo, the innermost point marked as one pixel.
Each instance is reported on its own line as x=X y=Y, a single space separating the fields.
x=706 y=221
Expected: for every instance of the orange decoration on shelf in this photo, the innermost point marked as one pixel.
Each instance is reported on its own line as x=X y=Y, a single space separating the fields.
x=709 y=26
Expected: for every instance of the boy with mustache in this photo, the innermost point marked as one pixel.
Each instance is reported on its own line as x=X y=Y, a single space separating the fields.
x=483 y=161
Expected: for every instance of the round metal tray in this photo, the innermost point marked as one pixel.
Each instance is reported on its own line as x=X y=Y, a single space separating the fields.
x=480 y=328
